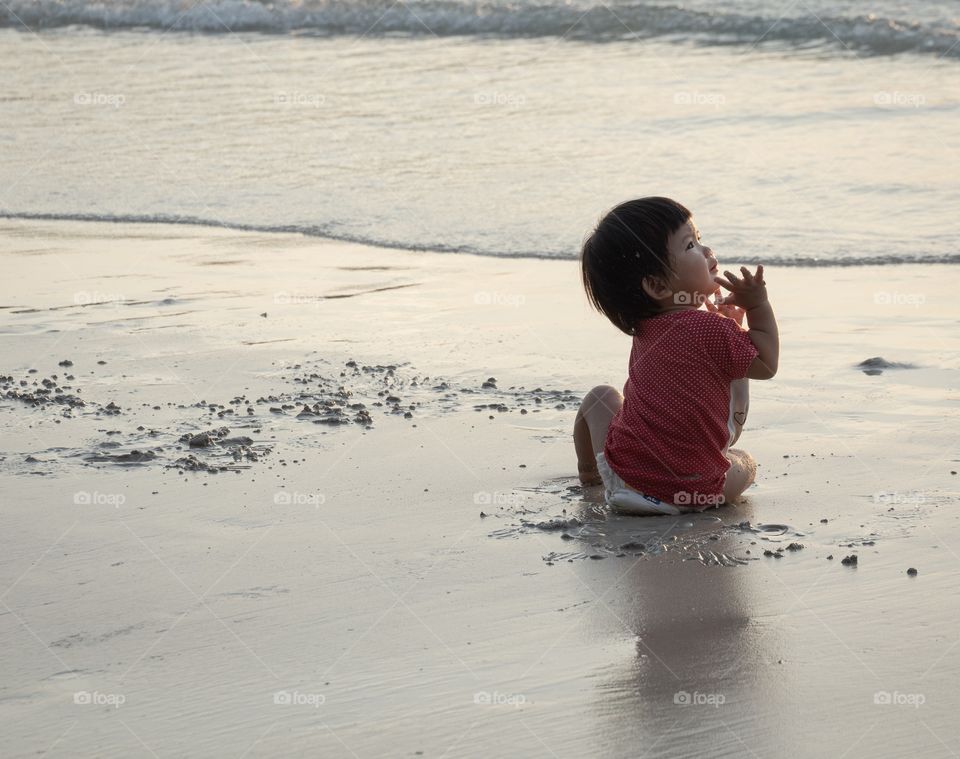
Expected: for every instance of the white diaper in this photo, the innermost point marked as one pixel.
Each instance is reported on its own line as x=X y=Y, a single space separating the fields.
x=624 y=499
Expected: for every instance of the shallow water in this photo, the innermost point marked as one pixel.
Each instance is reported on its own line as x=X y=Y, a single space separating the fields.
x=804 y=145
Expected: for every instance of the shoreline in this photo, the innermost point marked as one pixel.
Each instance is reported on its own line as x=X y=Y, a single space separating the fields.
x=308 y=234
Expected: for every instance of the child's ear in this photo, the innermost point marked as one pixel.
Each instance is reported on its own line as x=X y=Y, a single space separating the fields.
x=655 y=287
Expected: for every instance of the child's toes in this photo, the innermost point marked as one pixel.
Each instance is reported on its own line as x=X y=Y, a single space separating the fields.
x=590 y=478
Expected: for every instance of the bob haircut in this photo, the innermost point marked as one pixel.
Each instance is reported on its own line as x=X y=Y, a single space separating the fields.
x=628 y=244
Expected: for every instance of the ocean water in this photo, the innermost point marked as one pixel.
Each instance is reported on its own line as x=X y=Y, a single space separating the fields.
x=804 y=133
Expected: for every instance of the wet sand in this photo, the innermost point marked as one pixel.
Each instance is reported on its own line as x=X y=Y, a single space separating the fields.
x=266 y=495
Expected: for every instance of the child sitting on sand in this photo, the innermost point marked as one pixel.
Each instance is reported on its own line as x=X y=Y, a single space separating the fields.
x=663 y=447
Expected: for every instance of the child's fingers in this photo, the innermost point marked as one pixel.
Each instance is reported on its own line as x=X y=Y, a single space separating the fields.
x=747 y=276
x=722 y=281
x=733 y=278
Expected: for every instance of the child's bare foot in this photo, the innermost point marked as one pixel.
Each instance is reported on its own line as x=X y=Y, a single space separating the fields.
x=589 y=475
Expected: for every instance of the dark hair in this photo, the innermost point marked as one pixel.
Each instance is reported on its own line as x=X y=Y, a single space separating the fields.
x=628 y=244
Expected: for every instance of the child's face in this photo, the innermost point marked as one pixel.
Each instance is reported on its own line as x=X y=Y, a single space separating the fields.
x=693 y=264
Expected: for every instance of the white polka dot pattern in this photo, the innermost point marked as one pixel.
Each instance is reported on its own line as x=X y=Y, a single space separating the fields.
x=671 y=434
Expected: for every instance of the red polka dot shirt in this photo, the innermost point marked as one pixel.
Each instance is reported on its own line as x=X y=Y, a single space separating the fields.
x=675 y=425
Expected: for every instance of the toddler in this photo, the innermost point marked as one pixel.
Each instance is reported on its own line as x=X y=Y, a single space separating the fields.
x=663 y=447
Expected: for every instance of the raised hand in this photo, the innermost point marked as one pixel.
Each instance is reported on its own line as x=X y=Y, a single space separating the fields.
x=731 y=312
x=747 y=293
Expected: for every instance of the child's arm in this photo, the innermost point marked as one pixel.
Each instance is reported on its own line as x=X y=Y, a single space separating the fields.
x=750 y=294
x=765 y=336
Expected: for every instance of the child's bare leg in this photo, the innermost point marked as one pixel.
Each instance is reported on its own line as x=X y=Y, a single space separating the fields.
x=586 y=463
x=740 y=475
x=590 y=429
